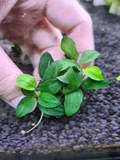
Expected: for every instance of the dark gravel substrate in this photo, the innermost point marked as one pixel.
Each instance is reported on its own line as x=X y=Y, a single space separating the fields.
x=96 y=126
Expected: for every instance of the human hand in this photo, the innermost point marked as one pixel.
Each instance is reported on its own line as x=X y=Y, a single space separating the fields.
x=35 y=26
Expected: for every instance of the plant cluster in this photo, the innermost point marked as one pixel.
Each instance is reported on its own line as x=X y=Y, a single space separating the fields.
x=62 y=82
x=114 y=5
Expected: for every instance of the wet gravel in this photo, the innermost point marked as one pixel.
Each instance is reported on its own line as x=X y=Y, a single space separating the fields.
x=96 y=126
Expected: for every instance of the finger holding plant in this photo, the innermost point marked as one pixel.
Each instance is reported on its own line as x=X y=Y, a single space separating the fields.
x=62 y=83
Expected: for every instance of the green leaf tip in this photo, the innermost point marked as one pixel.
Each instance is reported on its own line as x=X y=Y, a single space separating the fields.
x=69 y=77
x=94 y=73
x=93 y=84
x=45 y=60
x=26 y=81
x=73 y=101
x=57 y=111
x=88 y=55
x=51 y=72
x=69 y=47
x=73 y=86
x=118 y=78
x=25 y=106
x=48 y=100
x=51 y=86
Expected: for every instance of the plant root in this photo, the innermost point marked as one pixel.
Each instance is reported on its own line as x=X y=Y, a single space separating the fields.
x=23 y=132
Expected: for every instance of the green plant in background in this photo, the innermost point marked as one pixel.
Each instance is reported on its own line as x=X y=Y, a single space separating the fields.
x=62 y=83
x=114 y=5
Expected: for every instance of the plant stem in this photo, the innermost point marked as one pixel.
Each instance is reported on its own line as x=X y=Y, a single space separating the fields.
x=23 y=132
x=37 y=93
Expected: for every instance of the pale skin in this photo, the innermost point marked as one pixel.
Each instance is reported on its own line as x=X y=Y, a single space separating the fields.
x=36 y=27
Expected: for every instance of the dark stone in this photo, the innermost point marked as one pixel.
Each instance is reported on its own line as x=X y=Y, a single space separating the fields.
x=114 y=128
x=95 y=142
x=117 y=138
x=93 y=111
x=114 y=135
x=72 y=123
x=82 y=139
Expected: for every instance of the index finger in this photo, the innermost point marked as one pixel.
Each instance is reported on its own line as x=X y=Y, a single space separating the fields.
x=73 y=20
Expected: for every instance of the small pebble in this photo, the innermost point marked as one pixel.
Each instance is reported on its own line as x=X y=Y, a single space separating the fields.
x=114 y=128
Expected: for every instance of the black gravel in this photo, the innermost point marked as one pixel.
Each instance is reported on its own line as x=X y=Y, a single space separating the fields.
x=96 y=126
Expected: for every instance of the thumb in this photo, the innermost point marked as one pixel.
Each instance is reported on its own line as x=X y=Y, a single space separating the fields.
x=8 y=74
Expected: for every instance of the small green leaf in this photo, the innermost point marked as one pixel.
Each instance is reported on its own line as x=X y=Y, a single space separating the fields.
x=45 y=60
x=51 y=72
x=69 y=77
x=71 y=87
x=57 y=111
x=17 y=48
x=26 y=81
x=93 y=72
x=51 y=86
x=66 y=63
x=88 y=55
x=48 y=100
x=69 y=47
x=28 y=93
x=118 y=78
x=73 y=101
x=25 y=106
x=92 y=84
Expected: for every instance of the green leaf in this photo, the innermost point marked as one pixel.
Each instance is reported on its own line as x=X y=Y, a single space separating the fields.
x=28 y=93
x=45 y=60
x=88 y=55
x=93 y=72
x=92 y=84
x=108 y=2
x=118 y=78
x=69 y=77
x=71 y=87
x=73 y=101
x=66 y=63
x=59 y=64
x=26 y=81
x=17 y=48
x=58 y=96
x=48 y=100
x=69 y=47
x=25 y=106
x=51 y=86
x=51 y=72
x=57 y=111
